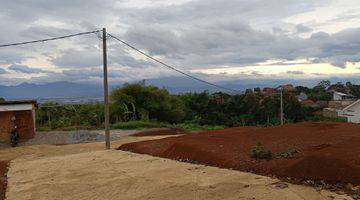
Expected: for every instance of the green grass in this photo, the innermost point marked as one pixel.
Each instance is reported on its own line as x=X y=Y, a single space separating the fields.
x=43 y=129
x=196 y=127
x=138 y=125
x=153 y=124
x=320 y=118
x=147 y=124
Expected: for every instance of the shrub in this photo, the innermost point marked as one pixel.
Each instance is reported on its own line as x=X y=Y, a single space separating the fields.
x=260 y=152
x=290 y=152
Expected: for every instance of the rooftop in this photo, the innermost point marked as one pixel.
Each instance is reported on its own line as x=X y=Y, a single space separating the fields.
x=18 y=102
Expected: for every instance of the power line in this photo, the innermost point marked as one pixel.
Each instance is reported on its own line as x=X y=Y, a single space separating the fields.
x=125 y=43
x=170 y=67
x=48 y=39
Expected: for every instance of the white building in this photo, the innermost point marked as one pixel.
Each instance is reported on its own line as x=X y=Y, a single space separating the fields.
x=351 y=112
x=302 y=97
x=339 y=96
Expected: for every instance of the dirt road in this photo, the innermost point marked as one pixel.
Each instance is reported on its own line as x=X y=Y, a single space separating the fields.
x=39 y=151
x=123 y=175
x=86 y=171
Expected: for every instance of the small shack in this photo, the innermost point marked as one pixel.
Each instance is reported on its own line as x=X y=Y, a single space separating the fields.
x=20 y=114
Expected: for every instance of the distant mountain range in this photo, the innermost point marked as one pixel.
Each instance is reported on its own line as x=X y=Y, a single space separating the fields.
x=49 y=90
x=173 y=84
x=61 y=90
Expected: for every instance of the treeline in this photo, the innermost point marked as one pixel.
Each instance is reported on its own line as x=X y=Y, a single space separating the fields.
x=322 y=91
x=149 y=103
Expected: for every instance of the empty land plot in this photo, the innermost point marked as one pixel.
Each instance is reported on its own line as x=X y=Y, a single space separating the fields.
x=327 y=152
x=123 y=175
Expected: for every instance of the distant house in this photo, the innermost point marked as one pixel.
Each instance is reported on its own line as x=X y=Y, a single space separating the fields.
x=339 y=96
x=344 y=105
x=351 y=112
x=273 y=91
x=309 y=103
x=302 y=97
x=218 y=98
x=341 y=100
x=287 y=88
x=20 y=114
x=269 y=91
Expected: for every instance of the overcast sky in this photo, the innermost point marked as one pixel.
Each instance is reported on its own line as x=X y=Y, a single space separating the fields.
x=213 y=39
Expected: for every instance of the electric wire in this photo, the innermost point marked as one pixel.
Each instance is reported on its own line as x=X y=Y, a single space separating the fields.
x=170 y=67
x=48 y=39
x=128 y=45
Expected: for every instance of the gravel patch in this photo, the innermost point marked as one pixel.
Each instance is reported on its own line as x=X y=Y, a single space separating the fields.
x=75 y=137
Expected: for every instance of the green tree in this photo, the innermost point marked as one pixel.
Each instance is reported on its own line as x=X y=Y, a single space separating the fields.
x=149 y=101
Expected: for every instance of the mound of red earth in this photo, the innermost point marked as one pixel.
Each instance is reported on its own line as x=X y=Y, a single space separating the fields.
x=3 y=180
x=157 y=132
x=328 y=152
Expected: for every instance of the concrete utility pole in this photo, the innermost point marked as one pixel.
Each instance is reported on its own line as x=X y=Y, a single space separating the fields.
x=106 y=92
x=281 y=107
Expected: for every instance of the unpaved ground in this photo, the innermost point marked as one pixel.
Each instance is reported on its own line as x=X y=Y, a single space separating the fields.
x=3 y=180
x=86 y=171
x=39 y=151
x=76 y=137
x=163 y=131
x=123 y=175
x=42 y=151
x=328 y=152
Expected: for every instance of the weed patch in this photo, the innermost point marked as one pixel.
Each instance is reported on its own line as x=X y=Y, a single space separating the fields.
x=260 y=152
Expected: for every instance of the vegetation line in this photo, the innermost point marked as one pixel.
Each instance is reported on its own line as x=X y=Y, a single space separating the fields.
x=135 y=106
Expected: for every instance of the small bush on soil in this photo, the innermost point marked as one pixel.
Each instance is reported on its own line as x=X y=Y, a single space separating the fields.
x=260 y=152
x=290 y=152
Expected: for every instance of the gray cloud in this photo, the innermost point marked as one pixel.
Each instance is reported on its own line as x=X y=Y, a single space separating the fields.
x=199 y=33
x=2 y=71
x=300 y=28
x=78 y=58
x=25 y=69
x=238 y=43
x=295 y=72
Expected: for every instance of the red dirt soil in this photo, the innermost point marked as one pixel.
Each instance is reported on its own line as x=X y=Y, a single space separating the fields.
x=3 y=181
x=328 y=152
x=157 y=132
